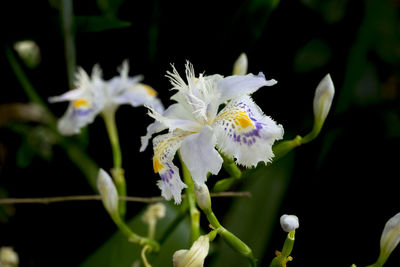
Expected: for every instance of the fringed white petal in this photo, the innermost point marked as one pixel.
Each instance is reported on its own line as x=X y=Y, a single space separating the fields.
x=199 y=154
x=236 y=86
x=165 y=147
x=243 y=132
x=68 y=96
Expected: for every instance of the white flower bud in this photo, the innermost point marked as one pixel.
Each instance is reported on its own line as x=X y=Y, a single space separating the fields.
x=289 y=222
x=8 y=257
x=323 y=100
x=153 y=213
x=202 y=195
x=240 y=65
x=29 y=52
x=195 y=256
x=108 y=192
x=390 y=237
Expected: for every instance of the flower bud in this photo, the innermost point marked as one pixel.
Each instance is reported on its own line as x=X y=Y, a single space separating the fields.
x=202 y=195
x=240 y=65
x=108 y=193
x=29 y=52
x=322 y=101
x=153 y=213
x=289 y=222
x=390 y=238
x=195 y=256
x=8 y=257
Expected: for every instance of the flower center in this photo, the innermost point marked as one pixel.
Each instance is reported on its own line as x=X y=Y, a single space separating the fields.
x=81 y=103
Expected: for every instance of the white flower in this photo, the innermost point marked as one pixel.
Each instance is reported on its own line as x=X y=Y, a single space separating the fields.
x=108 y=192
x=8 y=257
x=93 y=95
x=240 y=65
x=323 y=100
x=289 y=222
x=390 y=237
x=196 y=127
x=195 y=256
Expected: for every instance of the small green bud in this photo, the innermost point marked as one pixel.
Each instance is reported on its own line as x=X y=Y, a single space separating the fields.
x=322 y=101
x=390 y=238
x=8 y=257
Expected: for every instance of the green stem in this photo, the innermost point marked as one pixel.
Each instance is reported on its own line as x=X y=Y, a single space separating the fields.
x=135 y=238
x=117 y=172
x=233 y=170
x=67 y=16
x=194 y=212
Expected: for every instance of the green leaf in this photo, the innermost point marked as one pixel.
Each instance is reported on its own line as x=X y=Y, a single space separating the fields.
x=117 y=251
x=99 y=23
x=313 y=55
x=253 y=220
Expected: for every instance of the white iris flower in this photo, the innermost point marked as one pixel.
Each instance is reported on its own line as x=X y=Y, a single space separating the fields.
x=197 y=127
x=93 y=95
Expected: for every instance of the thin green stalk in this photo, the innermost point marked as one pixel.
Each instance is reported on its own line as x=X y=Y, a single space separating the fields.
x=233 y=170
x=135 y=238
x=67 y=16
x=194 y=212
x=117 y=172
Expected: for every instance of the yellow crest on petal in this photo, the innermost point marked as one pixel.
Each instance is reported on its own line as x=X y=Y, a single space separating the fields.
x=81 y=103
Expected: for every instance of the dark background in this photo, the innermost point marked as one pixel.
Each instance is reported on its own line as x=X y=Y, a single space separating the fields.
x=343 y=185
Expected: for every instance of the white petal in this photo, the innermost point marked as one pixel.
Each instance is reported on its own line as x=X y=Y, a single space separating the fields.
x=139 y=95
x=175 y=111
x=235 y=86
x=175 y=120
x=76 y=118
x=70 y=95
x=195 y=256
x=289 y=222
x=243 y=132
x=165 y=147
x=240 y=65
x=200 y=156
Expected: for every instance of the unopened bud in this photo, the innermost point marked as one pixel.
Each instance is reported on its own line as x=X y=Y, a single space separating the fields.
x=390 y=238
x=202 y=195
x=240 y=65
x=108 y=192
x=323 y=100
x=29 y=52
x=8 y=257
x=289 y=222
x=153 y=213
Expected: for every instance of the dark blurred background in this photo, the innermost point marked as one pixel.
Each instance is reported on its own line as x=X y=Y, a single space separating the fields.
x=342 y=186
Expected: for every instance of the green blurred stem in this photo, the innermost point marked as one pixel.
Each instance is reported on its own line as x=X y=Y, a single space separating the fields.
x=135 y=238
x=23 y=79
x=181 y=215
x=233 y=170
x=194 y=212
x=117 y=172
x=67 y=16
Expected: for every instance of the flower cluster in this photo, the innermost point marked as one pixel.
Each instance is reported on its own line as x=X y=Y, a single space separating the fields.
x=212 y=115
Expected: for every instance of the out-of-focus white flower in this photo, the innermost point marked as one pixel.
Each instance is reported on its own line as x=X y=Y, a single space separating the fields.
x=240 y=65
x=323 y=100
x=289 y=222
x=8 y=257
x=153 y=213
x=108 y=192
x=197 y=127
x=390 y=238
x=93 y=95
x=29 y=52
x=195 y=256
